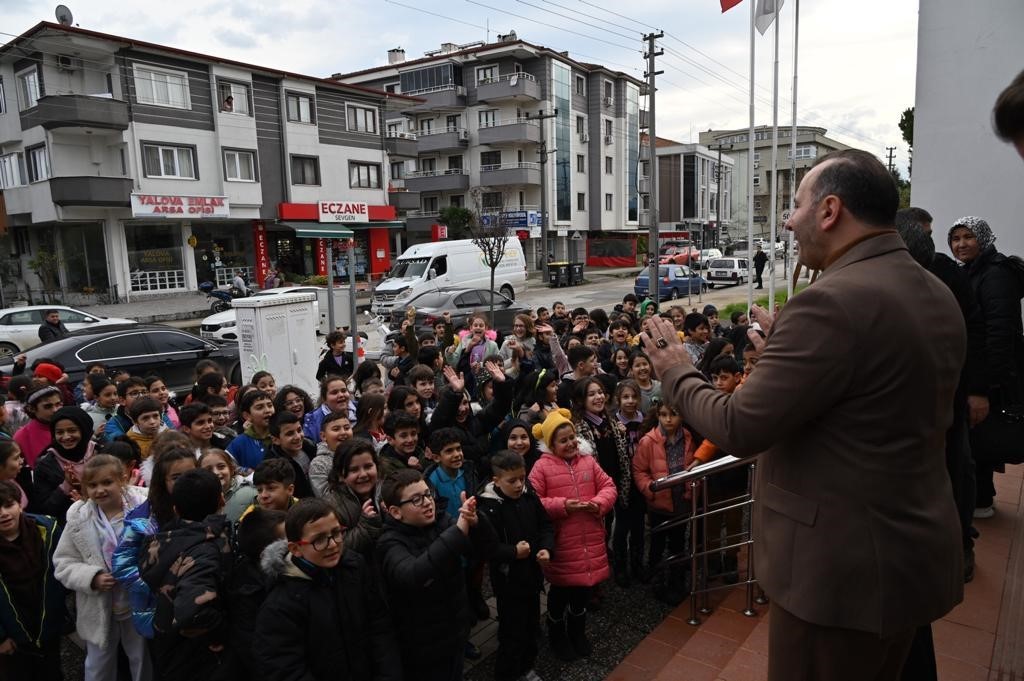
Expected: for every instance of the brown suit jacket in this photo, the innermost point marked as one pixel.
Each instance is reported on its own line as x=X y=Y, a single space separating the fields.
x=854 y=524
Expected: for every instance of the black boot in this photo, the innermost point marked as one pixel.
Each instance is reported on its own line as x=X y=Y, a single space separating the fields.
x=478 y=605
x=678 y=586
x=577 y=629
x=558 y=638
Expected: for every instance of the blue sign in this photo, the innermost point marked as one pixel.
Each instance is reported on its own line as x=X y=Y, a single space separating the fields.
x=515 y=219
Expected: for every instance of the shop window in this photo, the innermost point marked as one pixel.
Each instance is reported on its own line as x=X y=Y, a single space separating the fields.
x=239 y=165
x=84 y=254
x=364 y=175
x=12 y=170
x=305 y=170
x=161 y=87
x=233 y=98
x=362 y=119
x=173 y=162
x=38 y=163
x=154 y=256
x=28 y=88
x=300 y=108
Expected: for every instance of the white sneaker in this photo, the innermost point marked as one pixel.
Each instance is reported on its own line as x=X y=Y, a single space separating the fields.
x=985 y=512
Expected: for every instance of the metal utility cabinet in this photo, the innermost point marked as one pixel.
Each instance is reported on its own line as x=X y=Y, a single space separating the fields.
x=278 y=334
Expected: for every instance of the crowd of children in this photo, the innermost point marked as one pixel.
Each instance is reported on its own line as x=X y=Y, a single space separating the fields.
x=250 y=531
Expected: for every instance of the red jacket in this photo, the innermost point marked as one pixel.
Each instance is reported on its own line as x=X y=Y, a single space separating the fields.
x=651 y=463
x=580 y=557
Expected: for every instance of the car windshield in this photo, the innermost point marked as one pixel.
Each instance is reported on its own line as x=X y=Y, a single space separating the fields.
x=409 y=268
x=724 y=264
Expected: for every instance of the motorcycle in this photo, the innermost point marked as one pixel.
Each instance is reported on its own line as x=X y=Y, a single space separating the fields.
x=221 y=299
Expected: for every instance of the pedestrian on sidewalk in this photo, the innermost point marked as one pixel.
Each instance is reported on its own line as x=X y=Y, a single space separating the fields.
x=760 y=260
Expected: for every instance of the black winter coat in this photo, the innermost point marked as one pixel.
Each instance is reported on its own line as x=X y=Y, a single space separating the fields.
x=48 y=497
x=997 y=291
x=186 y=566
x=476 y=446
x=324 y=625
x=516 y=520
x=303 y=488
x=248 y=588
x=425 y=585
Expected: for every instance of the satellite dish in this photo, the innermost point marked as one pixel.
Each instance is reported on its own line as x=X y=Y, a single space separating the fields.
x=63 y=15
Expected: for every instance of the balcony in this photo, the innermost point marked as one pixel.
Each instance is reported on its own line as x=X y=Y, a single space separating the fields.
x=449 y=97
x=404 y=200
x=515 y=131
x=446 y=139
x=512 y=87
x=77 y=111
x=510 y=174
x=420 y=221
x=451 y=180
x=400 y=144
x=91 y=191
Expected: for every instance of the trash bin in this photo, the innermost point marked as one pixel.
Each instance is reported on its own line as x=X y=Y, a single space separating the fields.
x=558 y=274
x=576 y=274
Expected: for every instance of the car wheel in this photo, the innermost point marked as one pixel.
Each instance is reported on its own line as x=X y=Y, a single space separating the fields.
x=507 y=291
x=8 y=349
x=673 y=294
x=220 y=306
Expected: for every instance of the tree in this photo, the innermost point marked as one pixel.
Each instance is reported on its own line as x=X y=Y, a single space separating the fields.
x=457 y=219
x=489 y=230
x=907 y=129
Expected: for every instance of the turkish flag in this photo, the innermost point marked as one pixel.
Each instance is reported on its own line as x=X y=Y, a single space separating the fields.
x=729 y=4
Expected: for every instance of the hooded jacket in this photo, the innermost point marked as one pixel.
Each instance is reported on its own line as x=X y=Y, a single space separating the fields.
x=322 y=625
x=186 y=565
x=516 y=520
x=51 y=610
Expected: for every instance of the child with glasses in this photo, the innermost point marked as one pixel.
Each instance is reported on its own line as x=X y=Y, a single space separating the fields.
x=128 y=390
x=324 y=617
x=420 y=554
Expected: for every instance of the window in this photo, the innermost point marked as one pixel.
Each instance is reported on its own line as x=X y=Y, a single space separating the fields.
x=486 y=74
x=607 y=92
x=362 y=119
x=38 y=163
x=757 y=180
x=581 y=201
x=439 y=265
x=28 y=88
x=491 y=200
x=160 y=160
x=364 y=175
x=161 y=88
x=803 y=151
x=171 y=341
x=394 y=129
x=581 y=125
x=428 y=164
x=608 y=127
x=12 y=170
x=430 y=204
x=239 y=165
x=392 y=88
x=3 y=100
x=455 y=162
x=300 y=108
x=609 y=167
x=459 y=201
x=234 y=98
x=490 y=158
x=580 y=163
x=581 y=86
x=453 y=122
x=426 y=126
x=607 y=201
x=129 y=345
x=305 y=170
x=488 y=118
x=398 y=170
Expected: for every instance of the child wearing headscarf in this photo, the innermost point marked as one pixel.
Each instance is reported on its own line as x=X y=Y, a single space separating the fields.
x=58 y=473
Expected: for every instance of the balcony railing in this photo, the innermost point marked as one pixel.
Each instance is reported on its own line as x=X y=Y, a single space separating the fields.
x=157 y=280
x=510 y=121
x=509 y=166
x=437 y=88
x=436 y=173
x=507 y=76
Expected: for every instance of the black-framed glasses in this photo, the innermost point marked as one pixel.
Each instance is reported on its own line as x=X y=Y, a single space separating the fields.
x=321 y=542
x=418 y=500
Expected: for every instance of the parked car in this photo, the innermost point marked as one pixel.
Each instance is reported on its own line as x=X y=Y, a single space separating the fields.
x=678 y=253
x=221 y=326
x=140 y=349
x=706 y=256
x=19 y=326
x=725 y=271
x=461 y=303
x=674 y=281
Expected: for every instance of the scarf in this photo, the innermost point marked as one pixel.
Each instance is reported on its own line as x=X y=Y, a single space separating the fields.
x=978 y=227
x=81 y=419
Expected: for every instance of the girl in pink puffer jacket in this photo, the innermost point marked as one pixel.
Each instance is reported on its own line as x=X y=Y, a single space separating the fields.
x=576 y=494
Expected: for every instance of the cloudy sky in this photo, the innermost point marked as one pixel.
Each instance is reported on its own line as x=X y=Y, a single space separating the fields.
x=857 y=60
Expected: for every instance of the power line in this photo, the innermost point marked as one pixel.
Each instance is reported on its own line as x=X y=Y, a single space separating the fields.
x=579 y=21
x=557 y=28
x=435 y=14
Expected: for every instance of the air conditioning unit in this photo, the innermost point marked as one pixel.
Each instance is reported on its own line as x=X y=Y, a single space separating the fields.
x=584 y=137
x=65 y=62
x=463 y=135
x=608 y=139
x=608 y=101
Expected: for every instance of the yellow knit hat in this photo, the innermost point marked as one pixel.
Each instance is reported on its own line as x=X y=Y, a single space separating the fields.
x=555 y=420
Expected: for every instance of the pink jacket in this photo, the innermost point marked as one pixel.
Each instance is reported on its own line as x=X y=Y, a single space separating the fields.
x=580 y=557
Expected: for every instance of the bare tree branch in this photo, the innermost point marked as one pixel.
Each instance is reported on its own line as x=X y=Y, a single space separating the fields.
x=490 y=231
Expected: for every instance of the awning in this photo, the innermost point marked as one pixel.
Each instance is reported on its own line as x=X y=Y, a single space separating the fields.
x=346 y=230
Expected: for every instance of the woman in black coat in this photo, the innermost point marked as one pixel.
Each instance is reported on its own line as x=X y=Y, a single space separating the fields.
x=998 y=292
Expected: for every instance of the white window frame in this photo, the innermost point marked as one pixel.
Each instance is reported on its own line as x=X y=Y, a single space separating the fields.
x=28 y=99
x=608 y=202
x=239 y=93
x=487 y=118
x=481 y=79
x=361 y=116
x=175 y=150
x=299 y=97
x=37 y=163
x=147 y=74
x=12 y=170
x=609 y=165
x=425 y=126
x=356 y=170
x=232 y=162
x=581 y=163
x=581 y=201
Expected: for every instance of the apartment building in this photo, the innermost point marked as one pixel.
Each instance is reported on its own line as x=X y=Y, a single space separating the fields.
x=811 y=143
x=476 y=140
x=129 y=168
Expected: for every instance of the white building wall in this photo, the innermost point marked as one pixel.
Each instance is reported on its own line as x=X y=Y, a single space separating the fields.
x=967 y=53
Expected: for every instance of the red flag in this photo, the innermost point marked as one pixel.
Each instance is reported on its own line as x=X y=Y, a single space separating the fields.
x=729 y=4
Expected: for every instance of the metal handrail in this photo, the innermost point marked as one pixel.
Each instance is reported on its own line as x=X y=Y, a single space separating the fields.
x=436 y=173
x=506 y=76
x=529 y=165
x=510 y=121
x=443 y=131
x=437 y=88
x=717 y=466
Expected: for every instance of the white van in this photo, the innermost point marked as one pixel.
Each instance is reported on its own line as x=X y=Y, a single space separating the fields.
x=448 y=264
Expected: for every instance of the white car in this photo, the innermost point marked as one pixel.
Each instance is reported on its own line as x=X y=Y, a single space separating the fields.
x=19 y=326
x=725 y=271
x=221 y=326
x=707 y=255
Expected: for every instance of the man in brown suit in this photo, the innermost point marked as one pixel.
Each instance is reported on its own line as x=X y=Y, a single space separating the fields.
x=856 y=534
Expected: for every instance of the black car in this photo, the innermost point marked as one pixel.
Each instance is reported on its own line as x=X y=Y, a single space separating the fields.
x=461 y=303
x=140 y=349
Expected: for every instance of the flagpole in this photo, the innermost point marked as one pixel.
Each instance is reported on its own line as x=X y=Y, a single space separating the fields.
x=792 y=165
x=750 y=170
x=775 y=170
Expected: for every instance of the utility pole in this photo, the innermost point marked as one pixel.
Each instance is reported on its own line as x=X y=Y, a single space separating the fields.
x=541 y=117
x=653 y=287
x=891 y=151
x=718 y=180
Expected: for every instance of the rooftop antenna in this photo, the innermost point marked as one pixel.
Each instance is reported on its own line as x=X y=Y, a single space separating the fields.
x=63 y=15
